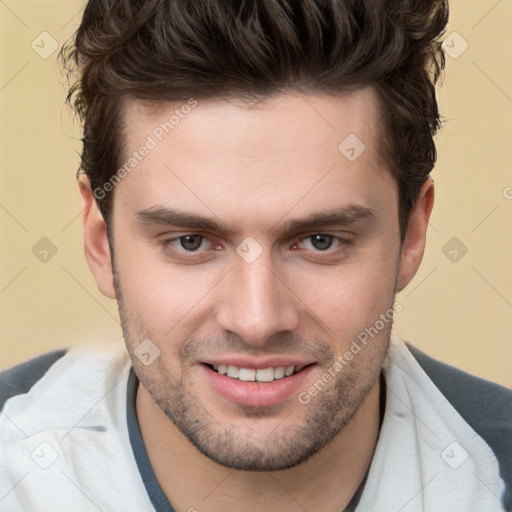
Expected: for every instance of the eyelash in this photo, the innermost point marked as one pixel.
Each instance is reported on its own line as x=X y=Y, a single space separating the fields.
x=200 y=255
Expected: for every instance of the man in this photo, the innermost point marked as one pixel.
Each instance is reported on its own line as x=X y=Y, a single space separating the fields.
x=255 y=187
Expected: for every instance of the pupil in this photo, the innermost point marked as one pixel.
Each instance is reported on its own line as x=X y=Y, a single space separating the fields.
x=191 y=242
x=321 y=242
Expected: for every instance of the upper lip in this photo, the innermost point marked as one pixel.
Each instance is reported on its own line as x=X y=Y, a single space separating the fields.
x=257 y=364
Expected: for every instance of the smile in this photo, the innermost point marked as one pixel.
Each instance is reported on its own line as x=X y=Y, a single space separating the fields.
x=260 y=375
x=262 y=385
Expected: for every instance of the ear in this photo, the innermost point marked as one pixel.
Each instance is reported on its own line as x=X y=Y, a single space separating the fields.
x=97 y=250
x=413 y=245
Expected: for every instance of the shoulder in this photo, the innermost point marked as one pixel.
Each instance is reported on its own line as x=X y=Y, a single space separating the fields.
x=484 y=405
x=21 y=378
x=64 y=419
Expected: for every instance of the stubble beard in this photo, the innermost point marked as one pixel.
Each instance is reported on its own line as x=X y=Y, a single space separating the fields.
x=254 y=448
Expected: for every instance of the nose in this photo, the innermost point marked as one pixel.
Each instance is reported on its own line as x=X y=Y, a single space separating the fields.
x=256 y=302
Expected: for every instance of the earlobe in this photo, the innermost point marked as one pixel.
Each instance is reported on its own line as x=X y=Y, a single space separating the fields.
x=413 y=246
x=97 y=250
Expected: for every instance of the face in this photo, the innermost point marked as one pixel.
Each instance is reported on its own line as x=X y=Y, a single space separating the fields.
x=246 y=242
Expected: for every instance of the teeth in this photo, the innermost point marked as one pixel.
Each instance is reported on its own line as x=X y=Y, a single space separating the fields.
x=247 y=375
x=260 y=375
x=233 y=371
x=279 y=372
x=289 y=370
x=265 y=374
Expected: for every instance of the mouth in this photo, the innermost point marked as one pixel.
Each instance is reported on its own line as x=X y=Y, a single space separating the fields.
x=256 y=387
x=268 y=374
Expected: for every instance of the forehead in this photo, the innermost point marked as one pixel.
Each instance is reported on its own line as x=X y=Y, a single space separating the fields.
x=269 y=123
x=291 y=148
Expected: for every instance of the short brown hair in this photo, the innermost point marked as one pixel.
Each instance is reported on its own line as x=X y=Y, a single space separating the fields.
x=171 y=50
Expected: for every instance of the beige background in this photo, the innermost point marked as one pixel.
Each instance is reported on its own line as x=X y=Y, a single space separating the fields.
x=459 y=311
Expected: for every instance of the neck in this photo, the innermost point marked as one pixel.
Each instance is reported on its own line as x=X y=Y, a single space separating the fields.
x=326 y=481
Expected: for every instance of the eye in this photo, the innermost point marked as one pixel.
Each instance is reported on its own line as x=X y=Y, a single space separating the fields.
x=190 y=248
x=189 y=242
x=319 y=242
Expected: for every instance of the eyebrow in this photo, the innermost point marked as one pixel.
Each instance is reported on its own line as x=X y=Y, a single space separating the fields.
x=343 y=216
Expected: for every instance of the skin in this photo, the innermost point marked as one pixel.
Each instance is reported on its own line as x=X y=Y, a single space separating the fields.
x=255 y=168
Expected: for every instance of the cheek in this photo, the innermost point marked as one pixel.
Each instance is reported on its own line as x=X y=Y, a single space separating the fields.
x=163 y=296
x=352 y=297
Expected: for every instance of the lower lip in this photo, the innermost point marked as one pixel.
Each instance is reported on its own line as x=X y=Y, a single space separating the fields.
x=256 y=394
